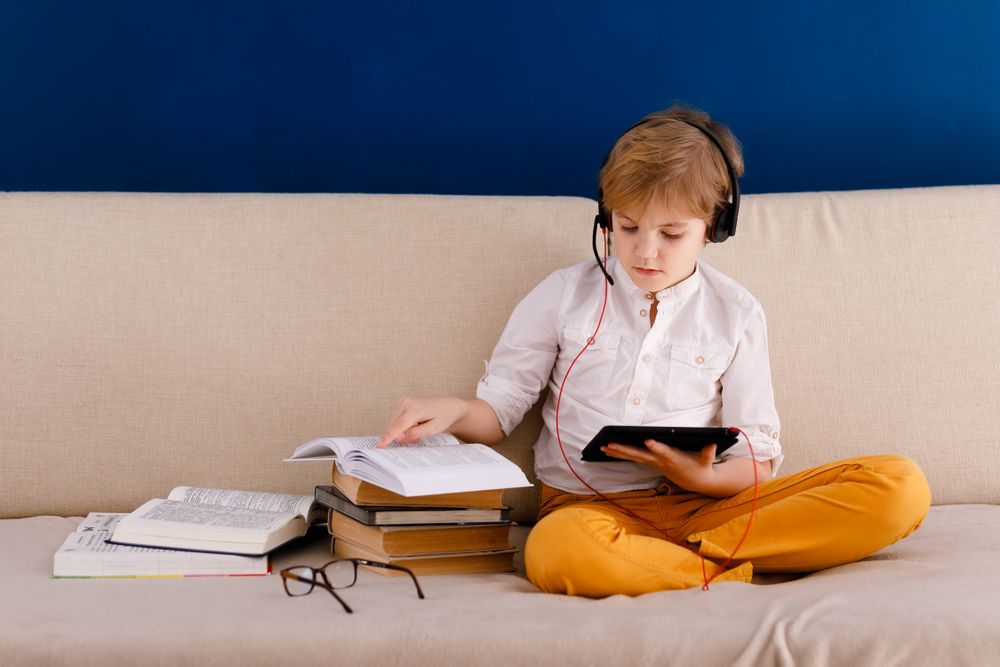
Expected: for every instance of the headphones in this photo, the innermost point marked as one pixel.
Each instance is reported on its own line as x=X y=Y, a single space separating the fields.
x=719 y=229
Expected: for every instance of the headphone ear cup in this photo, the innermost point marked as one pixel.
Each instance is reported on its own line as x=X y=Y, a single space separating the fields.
x=602 y=218
x=721 y=228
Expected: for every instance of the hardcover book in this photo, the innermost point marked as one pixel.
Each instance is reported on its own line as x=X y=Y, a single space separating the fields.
x=435 y=465
x=409 y=540
x=365 y=493
x=219 y=521
x=500 y=560
x=375 y=515
x=86 y=554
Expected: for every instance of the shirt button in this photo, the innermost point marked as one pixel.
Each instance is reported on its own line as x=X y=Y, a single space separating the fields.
x=636 y=401
x=700 y=360
x=642 y=313
x=649 y=296
x=774 y=434
x=646 y=358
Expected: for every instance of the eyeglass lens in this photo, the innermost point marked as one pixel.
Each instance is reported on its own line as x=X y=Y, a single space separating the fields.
x=341 y=573
x=297 y=586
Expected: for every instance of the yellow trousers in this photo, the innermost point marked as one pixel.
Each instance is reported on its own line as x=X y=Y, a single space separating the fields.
x=828 y=515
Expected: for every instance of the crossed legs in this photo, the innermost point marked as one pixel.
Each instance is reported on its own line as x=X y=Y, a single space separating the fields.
x=829 y=515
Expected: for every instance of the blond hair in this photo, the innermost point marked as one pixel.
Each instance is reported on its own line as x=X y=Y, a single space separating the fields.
x=666 y=161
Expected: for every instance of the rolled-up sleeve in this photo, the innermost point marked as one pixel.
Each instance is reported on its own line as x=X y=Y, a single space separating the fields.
x=748 y=396
x=523 y=357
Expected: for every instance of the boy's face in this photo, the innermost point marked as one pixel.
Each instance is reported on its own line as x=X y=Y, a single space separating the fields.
x=665 y=241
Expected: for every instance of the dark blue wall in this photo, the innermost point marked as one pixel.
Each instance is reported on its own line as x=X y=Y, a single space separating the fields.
x=487 y=98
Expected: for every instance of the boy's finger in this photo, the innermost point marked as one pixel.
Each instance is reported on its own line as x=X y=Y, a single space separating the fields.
x=612 y=452
x=394 y=433
x=625 y=452
x=417 y=431
x=659 y=447
x=397 y=428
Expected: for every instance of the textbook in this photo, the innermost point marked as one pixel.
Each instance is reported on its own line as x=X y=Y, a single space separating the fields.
x=377 y=515
x=327 y=449
x=366 y=494
x=219 y=521
x=85 y=554
x=420 y=539
x=434 y=465
x=465 y=562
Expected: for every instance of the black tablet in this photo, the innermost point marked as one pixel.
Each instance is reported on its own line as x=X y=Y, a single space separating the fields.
x=689 y=438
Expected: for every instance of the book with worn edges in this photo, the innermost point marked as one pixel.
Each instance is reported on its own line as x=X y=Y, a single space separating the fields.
x=367 y=494
x=398 y=541
x=464 y=562
x=385 y=515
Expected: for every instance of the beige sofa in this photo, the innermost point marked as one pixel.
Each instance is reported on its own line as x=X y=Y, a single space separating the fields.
x=153 y=340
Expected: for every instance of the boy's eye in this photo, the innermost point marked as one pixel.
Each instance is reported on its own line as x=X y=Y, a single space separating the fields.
x=629 y=230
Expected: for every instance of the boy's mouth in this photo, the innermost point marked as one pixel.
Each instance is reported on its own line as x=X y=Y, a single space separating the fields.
x=647 y=272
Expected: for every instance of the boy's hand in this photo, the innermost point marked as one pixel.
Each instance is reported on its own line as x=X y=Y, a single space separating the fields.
x=416 y=418
x=692 y=471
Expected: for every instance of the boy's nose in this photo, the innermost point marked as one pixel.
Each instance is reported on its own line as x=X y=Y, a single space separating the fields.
x=645 y=249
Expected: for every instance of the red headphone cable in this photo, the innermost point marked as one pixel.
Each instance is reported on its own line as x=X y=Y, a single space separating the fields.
x=753 y=505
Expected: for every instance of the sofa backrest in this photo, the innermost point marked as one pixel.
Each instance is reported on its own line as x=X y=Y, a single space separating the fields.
x=883 y=324
x=154 y=340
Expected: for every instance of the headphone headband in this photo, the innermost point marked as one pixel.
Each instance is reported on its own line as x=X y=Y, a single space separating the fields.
x=722 y=226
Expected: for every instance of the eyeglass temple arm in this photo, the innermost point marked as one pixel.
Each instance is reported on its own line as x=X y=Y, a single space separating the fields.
x=334 y=594
x=420 y=592
x=315 y=582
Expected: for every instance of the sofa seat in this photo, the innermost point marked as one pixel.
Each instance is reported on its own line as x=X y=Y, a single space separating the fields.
x=939 y=590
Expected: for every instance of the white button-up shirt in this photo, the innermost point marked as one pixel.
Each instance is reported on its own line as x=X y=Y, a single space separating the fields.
x=704 y=362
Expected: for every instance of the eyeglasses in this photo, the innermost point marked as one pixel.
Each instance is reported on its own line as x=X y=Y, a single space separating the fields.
x=338 y=573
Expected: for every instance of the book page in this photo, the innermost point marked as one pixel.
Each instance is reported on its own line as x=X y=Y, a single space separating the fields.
x=92 y=532
x=85 y=553
x=207 y=515
x=413 y=471
x=458 y=456
x=97 y=522
x=274 y=502
x=328 y=449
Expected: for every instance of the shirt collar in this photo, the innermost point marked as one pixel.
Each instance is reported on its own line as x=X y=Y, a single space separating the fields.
x=678 y=292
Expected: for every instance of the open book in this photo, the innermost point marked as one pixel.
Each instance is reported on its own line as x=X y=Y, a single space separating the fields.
x=86 y=554
x=219 y=520
x=434 y=465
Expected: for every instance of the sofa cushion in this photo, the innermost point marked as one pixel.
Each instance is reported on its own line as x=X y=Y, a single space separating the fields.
x=929 y=599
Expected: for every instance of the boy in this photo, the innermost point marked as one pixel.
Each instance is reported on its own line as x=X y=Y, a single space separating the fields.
x=679 y=344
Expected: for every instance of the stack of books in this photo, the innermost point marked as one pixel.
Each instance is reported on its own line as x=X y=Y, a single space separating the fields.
x=434 y=507
x=447 y=533
x=192 y=532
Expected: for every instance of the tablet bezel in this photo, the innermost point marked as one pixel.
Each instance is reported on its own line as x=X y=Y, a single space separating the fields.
x=688 y=438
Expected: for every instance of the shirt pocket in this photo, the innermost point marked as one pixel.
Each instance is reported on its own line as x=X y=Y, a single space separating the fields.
x=593 y=368
x=694 y=376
